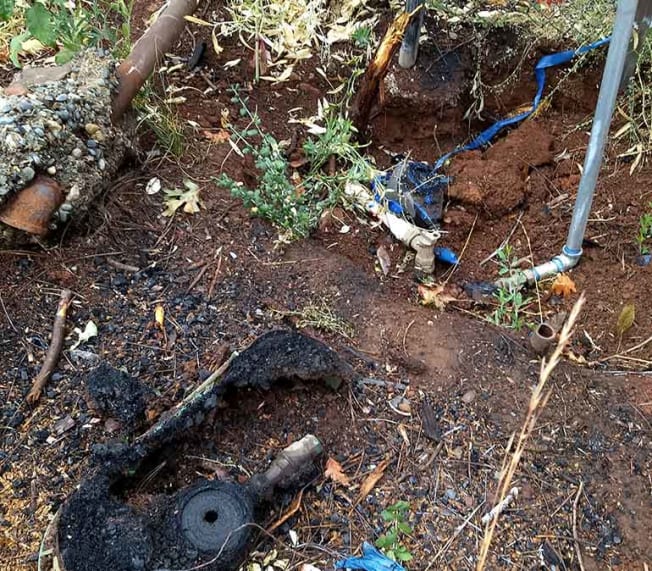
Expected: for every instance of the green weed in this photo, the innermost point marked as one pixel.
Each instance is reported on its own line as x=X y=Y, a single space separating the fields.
x=511 y=301
x=294 y=203
x=161 y=118
x=362 y=37
x=67 y=26
x=644 y=231
x=397 y=527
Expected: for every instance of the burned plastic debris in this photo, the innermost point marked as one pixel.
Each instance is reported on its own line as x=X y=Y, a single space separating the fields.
x=117 y=395
x=99 y=528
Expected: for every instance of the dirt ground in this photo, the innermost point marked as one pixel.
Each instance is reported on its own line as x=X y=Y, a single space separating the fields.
x=222 y=282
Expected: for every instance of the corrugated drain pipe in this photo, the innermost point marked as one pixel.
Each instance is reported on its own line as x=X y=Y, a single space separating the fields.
x=613 y=71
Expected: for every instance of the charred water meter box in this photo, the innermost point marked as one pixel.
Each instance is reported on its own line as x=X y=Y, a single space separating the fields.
x=209 y=522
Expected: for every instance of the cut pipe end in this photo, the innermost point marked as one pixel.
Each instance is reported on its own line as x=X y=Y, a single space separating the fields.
x=542 y=338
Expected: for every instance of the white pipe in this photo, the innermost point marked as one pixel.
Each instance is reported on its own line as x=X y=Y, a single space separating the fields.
x=613 y=72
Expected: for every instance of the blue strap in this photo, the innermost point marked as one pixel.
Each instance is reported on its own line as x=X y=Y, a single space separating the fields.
x=551 y=60
x=483 y=139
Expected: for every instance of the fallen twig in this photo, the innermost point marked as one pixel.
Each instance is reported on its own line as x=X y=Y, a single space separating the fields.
x=211 y=287
x=122 y=267
x=576 y=542
x=11 y=323
x=200 y=275
x=504 y=242
x=54 y=350
x=294 y=508
x=501 y=506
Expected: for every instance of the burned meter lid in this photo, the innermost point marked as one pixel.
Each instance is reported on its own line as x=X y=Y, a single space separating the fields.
x=213 y=517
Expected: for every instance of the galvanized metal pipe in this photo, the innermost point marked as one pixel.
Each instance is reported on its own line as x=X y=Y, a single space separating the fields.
x=613 y=72
x=407 y=55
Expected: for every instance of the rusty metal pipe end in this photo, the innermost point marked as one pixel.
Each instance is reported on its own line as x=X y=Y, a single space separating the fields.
x=542 y=338
x=32 y=209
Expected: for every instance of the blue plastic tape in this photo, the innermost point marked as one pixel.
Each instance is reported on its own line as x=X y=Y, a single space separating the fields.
x=371 y=560
x=551 y=60
x=484 y=138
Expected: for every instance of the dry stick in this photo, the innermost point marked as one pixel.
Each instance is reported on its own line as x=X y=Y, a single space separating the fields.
x=11 y=323
x=200 y=275
x=466 y=243
x=294 y=508
x=376 y=71
x=213 y=283
x=630 y=350
x=538 y=401
x=576 y=541
x=54 y=350
x=536 y=282
x=504 y=242
x=122 y=267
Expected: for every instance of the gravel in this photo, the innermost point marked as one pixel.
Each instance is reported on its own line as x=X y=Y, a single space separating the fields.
x=61 y=126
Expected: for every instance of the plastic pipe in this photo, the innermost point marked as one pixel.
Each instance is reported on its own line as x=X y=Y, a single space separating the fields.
x=613 y=72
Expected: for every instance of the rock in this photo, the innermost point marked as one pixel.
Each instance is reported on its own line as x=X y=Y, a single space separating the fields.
x=52 y=170
x=405 y=406
x=468 y=397
x=15 y=89
x=63 y=425
x=81 y=356
x=33 y=76
x=16 y=419
x=27 y=174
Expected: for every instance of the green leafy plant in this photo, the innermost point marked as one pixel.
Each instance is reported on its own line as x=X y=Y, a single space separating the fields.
x=644 y=231
x=68 y=26
x=511 y=301
x=292 y=200
x=397 y=527
x=362 y=36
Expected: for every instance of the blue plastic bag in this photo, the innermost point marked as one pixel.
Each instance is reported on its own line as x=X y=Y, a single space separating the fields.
x=371 y=560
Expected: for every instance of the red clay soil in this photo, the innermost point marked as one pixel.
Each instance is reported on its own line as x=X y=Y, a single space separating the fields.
x=475 y=376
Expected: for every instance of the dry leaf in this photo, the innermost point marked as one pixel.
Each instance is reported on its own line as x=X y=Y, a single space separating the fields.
x=219 y=136
x=151 y=414
x=434 y=296
x=188 y=198
x=159 y=316
x=371 y=480
x=89 y=331
x=403 y=432
x=334 y=472
x=626 y=319
x=224 y=118
x=563 y=286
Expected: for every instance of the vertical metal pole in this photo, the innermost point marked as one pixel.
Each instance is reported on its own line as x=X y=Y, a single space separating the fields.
x=643 y=20
x=407 y=56
x=613 y=73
